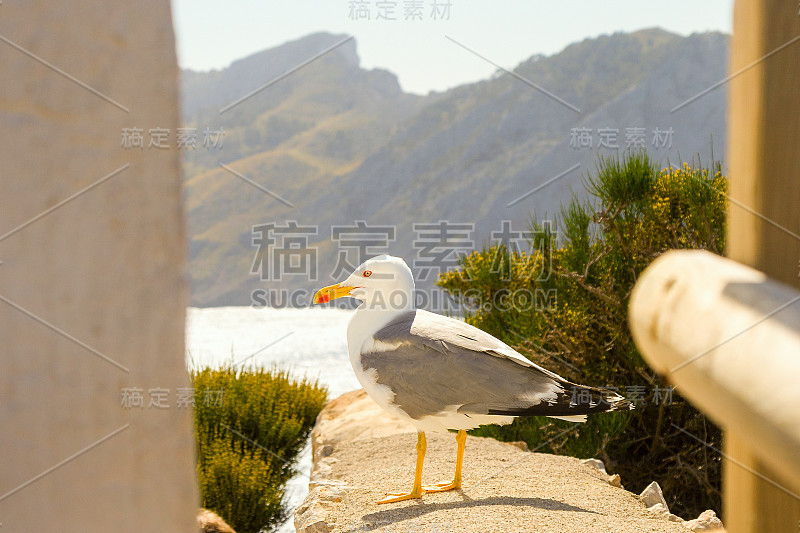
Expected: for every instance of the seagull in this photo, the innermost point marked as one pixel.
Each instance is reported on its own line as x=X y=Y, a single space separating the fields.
x=442 y=374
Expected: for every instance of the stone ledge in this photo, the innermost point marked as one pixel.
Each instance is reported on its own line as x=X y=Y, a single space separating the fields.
x=360 y=453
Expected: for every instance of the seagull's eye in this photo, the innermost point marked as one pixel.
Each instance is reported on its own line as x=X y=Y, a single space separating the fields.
x=367 y=273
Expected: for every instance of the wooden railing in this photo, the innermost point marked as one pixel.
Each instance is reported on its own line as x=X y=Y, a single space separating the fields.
x=728 y=338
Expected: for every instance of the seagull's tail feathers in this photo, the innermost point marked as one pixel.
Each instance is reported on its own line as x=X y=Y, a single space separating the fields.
x=572 y=403
x=573 y=418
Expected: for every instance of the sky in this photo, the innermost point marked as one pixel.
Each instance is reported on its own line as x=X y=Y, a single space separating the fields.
x=424 y=54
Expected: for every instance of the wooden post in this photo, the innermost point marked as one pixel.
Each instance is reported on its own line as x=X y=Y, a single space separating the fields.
x=764 y=219
x=764 y=139
x=92 y=290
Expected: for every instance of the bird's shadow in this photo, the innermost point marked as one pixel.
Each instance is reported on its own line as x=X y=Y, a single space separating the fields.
x=409 y=512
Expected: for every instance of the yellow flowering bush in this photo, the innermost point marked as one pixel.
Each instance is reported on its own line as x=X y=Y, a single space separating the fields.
x=634 y=212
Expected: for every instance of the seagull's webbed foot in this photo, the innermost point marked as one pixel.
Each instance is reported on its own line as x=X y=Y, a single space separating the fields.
x=393 y=497
x=442 y=487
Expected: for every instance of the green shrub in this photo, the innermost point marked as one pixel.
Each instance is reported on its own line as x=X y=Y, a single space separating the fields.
x=250 y=426
x=635 y=213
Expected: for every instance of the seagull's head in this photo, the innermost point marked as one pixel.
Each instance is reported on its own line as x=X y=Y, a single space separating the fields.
x=383 y=282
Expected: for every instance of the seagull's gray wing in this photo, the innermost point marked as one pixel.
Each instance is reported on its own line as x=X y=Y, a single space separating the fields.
x=435 y=364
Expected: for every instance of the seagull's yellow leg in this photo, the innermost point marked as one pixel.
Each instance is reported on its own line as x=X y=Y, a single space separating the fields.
x=417 y=491
x=461 y=439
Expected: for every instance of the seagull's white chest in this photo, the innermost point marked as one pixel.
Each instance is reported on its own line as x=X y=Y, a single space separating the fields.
x=360 y=333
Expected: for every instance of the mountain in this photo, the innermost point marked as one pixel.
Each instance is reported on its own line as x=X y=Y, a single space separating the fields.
x=343 y=144
x=292 y=138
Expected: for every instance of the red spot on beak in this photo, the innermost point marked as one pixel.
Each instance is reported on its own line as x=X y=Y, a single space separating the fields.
x=324 y=298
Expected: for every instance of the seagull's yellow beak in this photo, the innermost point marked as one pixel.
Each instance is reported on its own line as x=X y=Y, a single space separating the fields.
x=331 y=292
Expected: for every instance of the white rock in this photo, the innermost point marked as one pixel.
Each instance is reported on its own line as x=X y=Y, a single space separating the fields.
x=322 y=468
x=315 y=526
x=615 y=481
x=596 y=464
x=658 y=508
x=521 y=444
x=652 y=495
x=333 y=494
x=209 y=522
x=662 y=510
x=312 y=516
x=707 y=521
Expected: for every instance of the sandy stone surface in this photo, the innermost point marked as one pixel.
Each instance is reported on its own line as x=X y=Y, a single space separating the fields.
x=504 y=488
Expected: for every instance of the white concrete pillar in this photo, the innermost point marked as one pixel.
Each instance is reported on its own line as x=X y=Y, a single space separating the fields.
x=92 y=289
